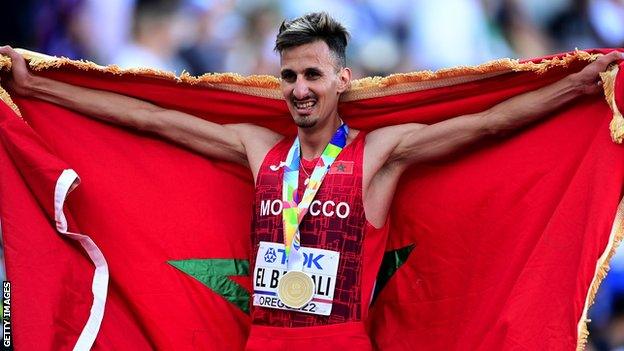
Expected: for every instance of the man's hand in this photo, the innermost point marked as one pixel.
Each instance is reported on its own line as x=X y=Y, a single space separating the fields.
x=588 y=79
x=20 y=78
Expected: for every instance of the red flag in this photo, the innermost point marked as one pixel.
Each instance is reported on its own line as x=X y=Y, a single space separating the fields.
x=499 y=248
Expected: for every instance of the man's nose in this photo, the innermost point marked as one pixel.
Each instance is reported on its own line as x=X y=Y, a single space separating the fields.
x=300 y=90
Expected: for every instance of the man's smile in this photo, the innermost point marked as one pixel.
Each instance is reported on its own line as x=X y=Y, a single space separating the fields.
x=304 y=107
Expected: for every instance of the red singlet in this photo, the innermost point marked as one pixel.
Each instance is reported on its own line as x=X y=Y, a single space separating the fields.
x=335 y=221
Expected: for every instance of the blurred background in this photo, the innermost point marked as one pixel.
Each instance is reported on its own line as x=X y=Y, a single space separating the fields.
x=388 y=36
x=238 y=35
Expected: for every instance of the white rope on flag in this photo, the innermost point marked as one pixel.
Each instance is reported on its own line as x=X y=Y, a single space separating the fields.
x=66 y=183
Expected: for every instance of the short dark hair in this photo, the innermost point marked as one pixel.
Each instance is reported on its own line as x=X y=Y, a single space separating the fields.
x=310 y=28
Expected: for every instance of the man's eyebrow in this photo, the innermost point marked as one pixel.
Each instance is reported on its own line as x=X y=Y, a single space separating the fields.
x=313 y=70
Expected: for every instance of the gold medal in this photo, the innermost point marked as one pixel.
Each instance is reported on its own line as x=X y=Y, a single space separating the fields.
x=295 y=289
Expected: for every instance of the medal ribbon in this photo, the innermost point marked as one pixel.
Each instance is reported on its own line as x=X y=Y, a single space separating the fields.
x=293 y=212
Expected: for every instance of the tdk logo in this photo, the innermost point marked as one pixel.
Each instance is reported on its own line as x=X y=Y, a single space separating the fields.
x=310 y=260
x=270 y=255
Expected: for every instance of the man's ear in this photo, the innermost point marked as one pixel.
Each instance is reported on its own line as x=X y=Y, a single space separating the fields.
x=345 y=79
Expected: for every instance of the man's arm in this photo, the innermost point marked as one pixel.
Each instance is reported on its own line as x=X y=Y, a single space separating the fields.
x=245 y=144
x=390 y=150
x=413 y=143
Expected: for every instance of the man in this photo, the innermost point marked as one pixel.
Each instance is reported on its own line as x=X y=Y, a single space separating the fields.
x=344 y=219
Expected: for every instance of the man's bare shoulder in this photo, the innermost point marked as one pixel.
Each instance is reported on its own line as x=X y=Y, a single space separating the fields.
x=382 y=141
x=257 y=142
x=255 y=135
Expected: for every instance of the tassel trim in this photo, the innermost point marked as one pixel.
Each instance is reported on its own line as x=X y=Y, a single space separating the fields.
x=269 y=86
x=617 y=122
x=602 y=268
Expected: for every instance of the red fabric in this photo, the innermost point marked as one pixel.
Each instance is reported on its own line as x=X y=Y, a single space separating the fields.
x=506 y=234
x=343 y=336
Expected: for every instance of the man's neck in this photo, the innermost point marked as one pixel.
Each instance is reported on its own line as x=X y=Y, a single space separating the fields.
x=314 y=140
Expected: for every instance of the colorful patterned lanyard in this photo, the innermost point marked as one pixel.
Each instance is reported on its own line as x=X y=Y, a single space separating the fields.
x=293 y=213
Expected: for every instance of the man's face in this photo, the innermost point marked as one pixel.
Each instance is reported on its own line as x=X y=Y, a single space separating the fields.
x=312 y=83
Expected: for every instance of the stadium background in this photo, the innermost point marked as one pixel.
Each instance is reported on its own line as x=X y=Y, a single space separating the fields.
x=388 y=36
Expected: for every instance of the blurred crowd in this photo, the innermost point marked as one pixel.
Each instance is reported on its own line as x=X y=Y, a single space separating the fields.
x=237 y=35
x=200 y=36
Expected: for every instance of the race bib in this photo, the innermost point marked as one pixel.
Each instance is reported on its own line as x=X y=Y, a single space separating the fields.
x=320 y=264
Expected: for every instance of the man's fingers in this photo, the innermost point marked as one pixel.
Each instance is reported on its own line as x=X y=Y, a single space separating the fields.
x=9 y=51
x=618 y=55
x=17 y=60
x=14 y=55
x=5 y=50
x=611 y=57
x=601 y=64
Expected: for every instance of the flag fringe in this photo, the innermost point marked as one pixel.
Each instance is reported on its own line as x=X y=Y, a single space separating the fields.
x=269 y=86
x=617 y=122
x=602 y=268
x=422 y=80
x=6 y=98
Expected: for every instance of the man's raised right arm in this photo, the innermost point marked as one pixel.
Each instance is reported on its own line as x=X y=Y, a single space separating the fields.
x=244 y=144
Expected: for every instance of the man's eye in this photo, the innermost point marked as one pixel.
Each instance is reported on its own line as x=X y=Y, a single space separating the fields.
x=313 y=75
x=288 y=77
